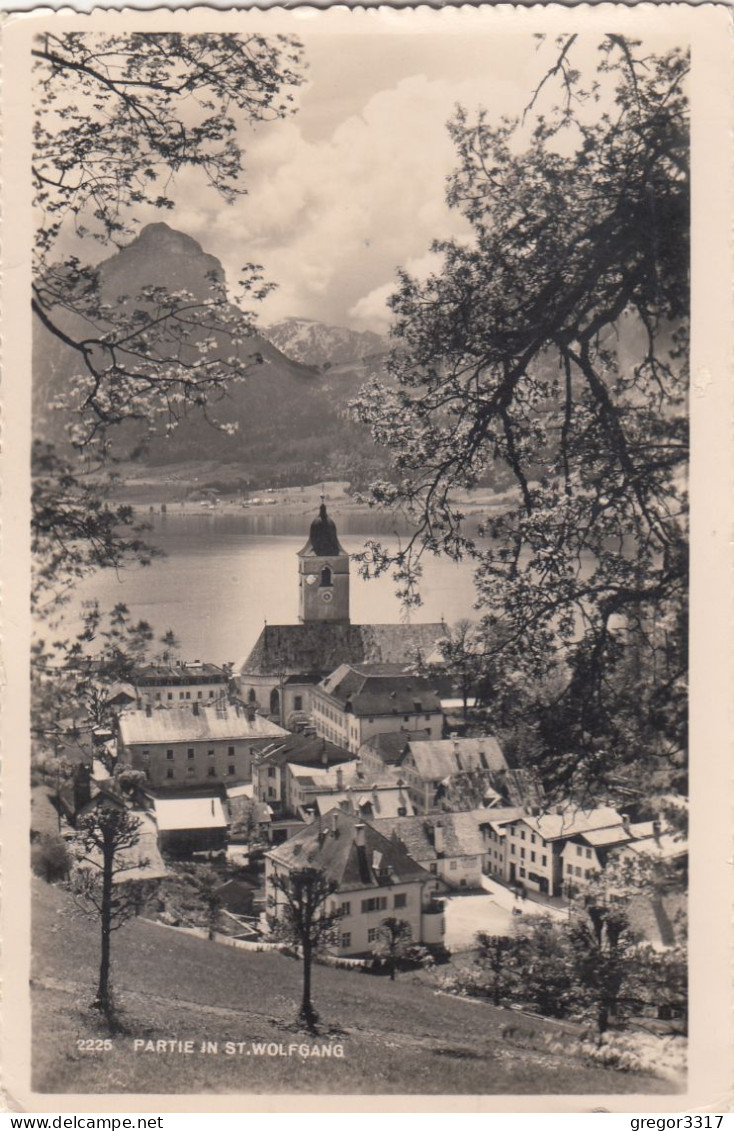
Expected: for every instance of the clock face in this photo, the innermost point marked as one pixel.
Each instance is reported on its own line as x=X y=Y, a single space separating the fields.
x=326 y=596
x=310 y=578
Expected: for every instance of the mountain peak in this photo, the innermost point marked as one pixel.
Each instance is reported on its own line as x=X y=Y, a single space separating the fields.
x=161 y=256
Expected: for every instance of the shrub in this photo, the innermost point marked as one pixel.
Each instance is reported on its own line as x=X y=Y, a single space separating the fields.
x=50 y=859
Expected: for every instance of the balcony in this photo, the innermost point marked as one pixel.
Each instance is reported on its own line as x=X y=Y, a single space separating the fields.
x=435 y=907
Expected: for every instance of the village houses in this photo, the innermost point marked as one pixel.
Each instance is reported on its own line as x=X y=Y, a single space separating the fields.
x=374 y=877
x=196 y=744
x=358 y=701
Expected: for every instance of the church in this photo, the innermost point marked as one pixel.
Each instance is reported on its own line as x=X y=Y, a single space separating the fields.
x=288 y=660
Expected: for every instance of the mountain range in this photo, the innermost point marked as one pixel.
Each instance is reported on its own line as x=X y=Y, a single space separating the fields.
x=291 y=412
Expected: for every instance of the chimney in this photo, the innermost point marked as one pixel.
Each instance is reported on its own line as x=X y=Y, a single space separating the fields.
x=438 y=838
x=324 y=753
x=359 y=835
x=657 y=829
x=335 y=823
x=339 y=778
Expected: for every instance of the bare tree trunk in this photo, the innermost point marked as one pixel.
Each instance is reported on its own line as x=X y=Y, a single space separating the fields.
x=103 y=990
x=308 y=1013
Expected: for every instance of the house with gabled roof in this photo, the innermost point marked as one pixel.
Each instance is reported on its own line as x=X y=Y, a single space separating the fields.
x=196 y=744
x=461 y=773
x=449 y=845
x=357 y=701
x=536 y=842
x=375 y=879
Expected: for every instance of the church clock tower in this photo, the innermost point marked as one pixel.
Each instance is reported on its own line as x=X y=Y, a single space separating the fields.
x=323 y=574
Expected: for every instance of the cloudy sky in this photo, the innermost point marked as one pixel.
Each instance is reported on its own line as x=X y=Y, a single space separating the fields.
x=353 y=185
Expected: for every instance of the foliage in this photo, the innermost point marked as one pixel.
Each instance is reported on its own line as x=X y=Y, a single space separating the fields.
x=207 y=883
x=554 y=342
x=494 y=954
x=107 y=838
x=117 y=117
x=395 y=936
x=50 y=859
x=302 y=918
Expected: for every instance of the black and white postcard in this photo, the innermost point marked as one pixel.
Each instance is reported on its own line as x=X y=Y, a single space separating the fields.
x=367 y=475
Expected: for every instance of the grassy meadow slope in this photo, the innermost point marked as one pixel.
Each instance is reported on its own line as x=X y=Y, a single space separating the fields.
x=397 y=1037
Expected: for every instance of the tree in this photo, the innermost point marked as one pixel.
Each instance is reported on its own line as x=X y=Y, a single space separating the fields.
x=463 y=654
x=304 y=920
x=495 y=954
x=396 y=936
x=117 y=118
x=106 y=838
x=553 y=343
x=604 y=954
x=544 y=966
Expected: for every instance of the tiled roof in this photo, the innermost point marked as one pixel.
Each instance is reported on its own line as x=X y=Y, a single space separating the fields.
x=212 y=722
x=289 y=649
x=183 y=672
x=443 y=758
x=371 y=802
x=381 y=689
x=388 y=746
x=604 y=838
x=461 y=835
x=305 y=750
x=571 y=821
x=330 y=845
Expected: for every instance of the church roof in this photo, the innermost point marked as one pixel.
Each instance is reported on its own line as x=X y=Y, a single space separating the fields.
x=323 y=541
x=320 y=647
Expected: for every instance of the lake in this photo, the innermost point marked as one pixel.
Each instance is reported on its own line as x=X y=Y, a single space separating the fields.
x=225 y=575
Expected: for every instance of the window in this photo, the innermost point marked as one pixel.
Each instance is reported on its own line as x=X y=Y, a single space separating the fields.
x=180 y=694
x=406 y=718
x=427 y=718
x=211 y=694
x=325 y=577
x=199 y=694
x=297 y=702
x=434 y=866
x=522 y=834
x=579 y=850
x=190 y=771
x=588 y=873
x=401 y=900
x=375 y=903
x=522 y=873
x=188 y=694
x=169 y=773
x=532 y=838
x=146 y=755
x=452 y=865
x=372 y=934
x=190 y=753
x=158 y=695
x=346 y=940
x=271 y=771
x=346 y=908
x=522 y=853
x=544 y=860
x=512 y=849
x=210 y=753
x=532 y=857
x=211 y=772
x=578 y=871
x=271 y=791
x=169 y=755
x=230 y=770
x=230 y=751
x=569 y=869
x=588 y=854
x=251 y=696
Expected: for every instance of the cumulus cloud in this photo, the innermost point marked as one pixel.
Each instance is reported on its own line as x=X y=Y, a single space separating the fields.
x=331 y=219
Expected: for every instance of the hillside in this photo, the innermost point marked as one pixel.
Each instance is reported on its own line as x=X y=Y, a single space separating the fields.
x=292 y=420
x=396 y=1037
